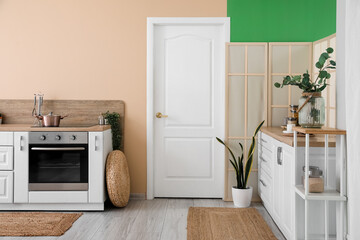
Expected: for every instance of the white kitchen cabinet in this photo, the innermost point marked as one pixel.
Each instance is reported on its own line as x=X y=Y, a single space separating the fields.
x=6 y=186
x=265 y=170
x=100 y=145
x=282 y=185
x=21 y=167
x=6 y=138
x=275 y=180
x=6 y=158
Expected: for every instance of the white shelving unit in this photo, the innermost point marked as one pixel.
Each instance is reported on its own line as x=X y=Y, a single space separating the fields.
x=328 y=194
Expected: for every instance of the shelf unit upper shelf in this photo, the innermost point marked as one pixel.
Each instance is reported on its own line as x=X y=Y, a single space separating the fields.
x=324 y=130
x=328 y=194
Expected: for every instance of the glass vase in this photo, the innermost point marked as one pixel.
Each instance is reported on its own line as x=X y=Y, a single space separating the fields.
x=312 y=115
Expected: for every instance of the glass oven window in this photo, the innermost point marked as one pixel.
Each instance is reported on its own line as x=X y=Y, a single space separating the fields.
x=58 y=166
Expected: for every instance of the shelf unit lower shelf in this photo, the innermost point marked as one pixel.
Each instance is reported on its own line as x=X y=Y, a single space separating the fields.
x=328 y=194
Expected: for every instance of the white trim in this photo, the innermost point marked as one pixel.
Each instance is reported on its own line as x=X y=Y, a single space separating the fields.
x=151 y=22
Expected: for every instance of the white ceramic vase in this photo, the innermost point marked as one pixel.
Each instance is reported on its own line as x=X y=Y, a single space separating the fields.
x=242 y=197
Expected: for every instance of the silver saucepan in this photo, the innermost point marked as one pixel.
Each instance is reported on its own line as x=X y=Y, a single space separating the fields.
x=51 y=120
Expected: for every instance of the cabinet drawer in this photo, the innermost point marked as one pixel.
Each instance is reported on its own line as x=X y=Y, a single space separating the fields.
x=6 y=158
x=265 y=161
x=7 y=138
x=265 y=142
x=6 y=187
x=265 y=187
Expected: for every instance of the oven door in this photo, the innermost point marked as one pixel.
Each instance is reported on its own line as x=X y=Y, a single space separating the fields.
x=54 y=167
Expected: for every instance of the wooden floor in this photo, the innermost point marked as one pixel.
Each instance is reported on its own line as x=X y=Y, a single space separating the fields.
x=160 y=219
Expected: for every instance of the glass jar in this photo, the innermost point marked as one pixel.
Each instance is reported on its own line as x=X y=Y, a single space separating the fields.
x=293 y=111
x=312 y=114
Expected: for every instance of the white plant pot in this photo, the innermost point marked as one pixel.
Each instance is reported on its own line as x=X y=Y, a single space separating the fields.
x=242 y=197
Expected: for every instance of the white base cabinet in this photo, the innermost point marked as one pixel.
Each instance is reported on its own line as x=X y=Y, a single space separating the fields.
x=278 y=175
x=276 y=179
x=14 y=177
x=6 y=187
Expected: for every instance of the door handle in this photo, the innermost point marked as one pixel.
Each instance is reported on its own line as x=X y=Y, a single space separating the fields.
x=262 y=182
x=58 y=148
x=279 y=152
x=21 y=147
x=95 y=148
x=160 y=115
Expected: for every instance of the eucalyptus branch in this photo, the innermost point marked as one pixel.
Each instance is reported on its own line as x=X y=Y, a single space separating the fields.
x=304 y=81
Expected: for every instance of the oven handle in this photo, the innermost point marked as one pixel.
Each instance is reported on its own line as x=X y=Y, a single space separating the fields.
x=58 y=149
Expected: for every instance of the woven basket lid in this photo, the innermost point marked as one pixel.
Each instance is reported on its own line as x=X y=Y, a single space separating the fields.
x=118 y=178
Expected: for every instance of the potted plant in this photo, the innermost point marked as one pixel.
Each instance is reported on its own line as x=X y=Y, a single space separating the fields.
x=312 y=105
x=241 y=193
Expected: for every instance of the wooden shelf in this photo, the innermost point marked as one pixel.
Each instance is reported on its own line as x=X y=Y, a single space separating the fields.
x=328 y=194
x=323 y=130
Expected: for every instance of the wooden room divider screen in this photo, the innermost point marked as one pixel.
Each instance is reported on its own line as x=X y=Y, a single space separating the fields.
x=246 y=101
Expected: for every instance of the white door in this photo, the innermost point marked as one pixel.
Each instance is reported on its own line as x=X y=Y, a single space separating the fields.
x=188 y=81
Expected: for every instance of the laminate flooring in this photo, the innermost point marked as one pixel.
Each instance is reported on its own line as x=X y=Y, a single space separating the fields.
x=158 y=219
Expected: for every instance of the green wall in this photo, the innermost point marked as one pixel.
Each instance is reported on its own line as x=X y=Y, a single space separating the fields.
x=281 y=20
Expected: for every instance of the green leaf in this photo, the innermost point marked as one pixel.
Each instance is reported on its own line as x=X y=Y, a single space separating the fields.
x=328 y=75
x=329 y=50
x=332 y=62
x=322 y=60
x=277 y=85
x=325 y=55
x=322 y=74
x=322 y=88
x=297 y=78
x=331 y=67
x=319 y=65
x=232 y=154
x=320 y=81
x=251 y=154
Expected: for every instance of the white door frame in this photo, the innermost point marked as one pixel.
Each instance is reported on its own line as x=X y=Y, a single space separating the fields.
x=151 y=22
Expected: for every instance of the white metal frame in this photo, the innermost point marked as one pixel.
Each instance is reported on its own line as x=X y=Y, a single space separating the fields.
x=151 y=22
x=328 y=195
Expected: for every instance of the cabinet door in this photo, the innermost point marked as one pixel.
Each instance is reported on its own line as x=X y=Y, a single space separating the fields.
x=96 y=167
x=278 y=179
x=21 y=167
x=287 y=184
x=6 y=158
x=6 y=186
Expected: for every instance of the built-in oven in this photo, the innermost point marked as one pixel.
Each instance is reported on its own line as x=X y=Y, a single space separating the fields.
x=58 y=161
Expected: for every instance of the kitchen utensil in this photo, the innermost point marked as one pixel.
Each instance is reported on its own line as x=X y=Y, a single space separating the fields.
x=51 y=120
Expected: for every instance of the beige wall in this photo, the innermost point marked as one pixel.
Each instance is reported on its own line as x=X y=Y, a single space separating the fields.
x=88 y=49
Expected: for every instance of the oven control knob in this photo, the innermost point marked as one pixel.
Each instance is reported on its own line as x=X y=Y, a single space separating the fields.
x=57 y=137
x=73 y=137
x=43 y=137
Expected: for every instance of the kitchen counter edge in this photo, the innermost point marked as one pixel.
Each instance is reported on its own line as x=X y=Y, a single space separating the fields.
x=28 y=128
x=315 y=141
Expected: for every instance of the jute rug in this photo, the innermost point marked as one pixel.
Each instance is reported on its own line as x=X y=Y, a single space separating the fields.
x=227 y=224
x=36 y=223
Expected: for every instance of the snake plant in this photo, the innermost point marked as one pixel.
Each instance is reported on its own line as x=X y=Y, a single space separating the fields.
x=242 y=174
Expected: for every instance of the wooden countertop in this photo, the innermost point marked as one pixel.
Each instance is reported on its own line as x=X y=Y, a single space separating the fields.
x=315 y=140
x=29 y=128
